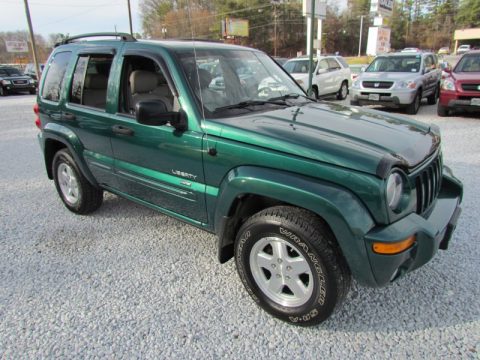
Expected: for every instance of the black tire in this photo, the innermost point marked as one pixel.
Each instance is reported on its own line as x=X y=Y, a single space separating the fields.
x=306 y=235
x=3 y=92
x=86 y=198
x=315 y=92
x=32 y=91
x=343 y=91
x=412 y=108
x=442 y=110
x=432 y=99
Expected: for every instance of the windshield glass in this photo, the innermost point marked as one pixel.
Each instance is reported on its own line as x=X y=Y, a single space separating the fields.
x=223 y=78
x=468 y=63
x=298 y=66
x=10 y=72
x=395 y=64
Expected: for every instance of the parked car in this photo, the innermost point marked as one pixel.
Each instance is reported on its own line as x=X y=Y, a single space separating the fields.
x=32 y=72
x=280 y=60
x=444 y=51
x=331 y=75
x=410 y=49
x=460 y=89
x=462 y=49
x=398 y=80
x=302 y=194
x=13 y=81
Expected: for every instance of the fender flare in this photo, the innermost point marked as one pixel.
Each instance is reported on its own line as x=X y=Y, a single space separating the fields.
x=346 y=216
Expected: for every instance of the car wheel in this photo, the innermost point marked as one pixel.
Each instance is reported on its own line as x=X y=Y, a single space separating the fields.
x=442 y=110
x=32 y=91
x=412 y=108
x=343 y=91
x=78 y=195
x=290 y=264
x=3 y=92
x=432 y=99
x=315 y=92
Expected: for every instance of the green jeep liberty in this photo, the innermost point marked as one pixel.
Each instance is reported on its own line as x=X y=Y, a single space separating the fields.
x=302 y=194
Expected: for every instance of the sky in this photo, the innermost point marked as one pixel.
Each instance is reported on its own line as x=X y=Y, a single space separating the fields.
x=70 y=16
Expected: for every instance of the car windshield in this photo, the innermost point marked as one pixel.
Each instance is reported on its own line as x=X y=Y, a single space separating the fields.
x=468 y=63
x=395 y=64
x=298 y=66
x=228 y=82
x=10 y=72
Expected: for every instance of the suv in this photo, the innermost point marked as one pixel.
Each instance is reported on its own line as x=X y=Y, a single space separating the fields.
x=461 y=86
x=302 y=194
x=462 y=49
x=330 y=77
x=13 y=81
x=32 y=72
x=398 y=80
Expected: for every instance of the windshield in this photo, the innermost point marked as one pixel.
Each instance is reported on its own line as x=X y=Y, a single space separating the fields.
x=10 y=72
x=468 y=63
x=395 y=64
x=221 y=79
x=298 y=66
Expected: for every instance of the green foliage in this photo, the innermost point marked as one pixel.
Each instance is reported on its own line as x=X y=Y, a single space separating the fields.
x=468 y=15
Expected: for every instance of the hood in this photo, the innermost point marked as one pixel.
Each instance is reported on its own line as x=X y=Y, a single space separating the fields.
x=15 y=77
x=472 y=77
x=365 y=140
x=388 y=76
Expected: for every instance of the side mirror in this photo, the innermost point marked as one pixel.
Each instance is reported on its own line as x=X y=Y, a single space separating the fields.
x=363 y=69
x=448 y=69
x=154 y=113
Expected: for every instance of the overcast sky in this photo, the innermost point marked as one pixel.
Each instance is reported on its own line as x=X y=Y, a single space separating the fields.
x=70 y=16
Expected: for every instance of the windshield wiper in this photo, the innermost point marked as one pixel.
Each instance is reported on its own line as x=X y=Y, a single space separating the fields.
x=244 y=104
x=289 y=96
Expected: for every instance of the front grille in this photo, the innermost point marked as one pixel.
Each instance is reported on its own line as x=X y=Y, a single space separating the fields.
x=20 y=82
x=381 y=94
x=471 y=87
x=428 y=184
x=377 y=84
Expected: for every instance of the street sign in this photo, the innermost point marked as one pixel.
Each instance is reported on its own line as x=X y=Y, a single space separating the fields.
x=382 y=7
x=16 y=46
x=320 y=9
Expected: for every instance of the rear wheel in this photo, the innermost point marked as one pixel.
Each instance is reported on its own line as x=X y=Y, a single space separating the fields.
x=289 y=262
x=442 y=110
x=343 y=91
x=412 y=108
x=78 y=195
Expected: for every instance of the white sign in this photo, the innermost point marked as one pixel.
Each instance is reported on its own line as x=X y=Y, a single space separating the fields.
x=383 y=7
x=16 y=46
x=320 y=9
x=378 y=40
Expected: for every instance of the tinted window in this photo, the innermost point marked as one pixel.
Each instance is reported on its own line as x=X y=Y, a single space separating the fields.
x=10 y=72
x=298 y=66
x=323 y=64
x=55 y=76
x=395 y=64
x=90 y=80
x=333 y=64
x=468 y=63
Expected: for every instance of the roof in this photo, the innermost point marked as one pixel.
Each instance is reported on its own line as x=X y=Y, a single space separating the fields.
x=467 y=34
x=189 y=44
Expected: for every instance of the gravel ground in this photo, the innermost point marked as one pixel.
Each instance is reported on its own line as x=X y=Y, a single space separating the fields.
x=130 y=282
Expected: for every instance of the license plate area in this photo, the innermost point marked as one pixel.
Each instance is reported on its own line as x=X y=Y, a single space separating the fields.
x=475 y=102
x=376 y=97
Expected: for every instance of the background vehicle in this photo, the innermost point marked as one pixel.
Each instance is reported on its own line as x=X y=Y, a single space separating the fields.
x=461 y=87
x=444 y=51
x=13 y=81
x=302 y=194
x=462 y=49
x=330 y=77
x=410 y=49
x=356 y=69
x=32 y=72
x=398 y=80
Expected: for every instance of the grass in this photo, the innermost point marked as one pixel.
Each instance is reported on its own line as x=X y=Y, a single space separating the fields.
x=352 y=60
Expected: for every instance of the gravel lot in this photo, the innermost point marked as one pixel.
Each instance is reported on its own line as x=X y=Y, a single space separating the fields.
x=130 y=282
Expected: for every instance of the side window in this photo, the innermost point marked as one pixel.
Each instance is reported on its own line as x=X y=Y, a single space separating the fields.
x=323 y=65
x=343 y=62
x=333 y=64
x=55 y=76
x=143 y=79
x=90 y=80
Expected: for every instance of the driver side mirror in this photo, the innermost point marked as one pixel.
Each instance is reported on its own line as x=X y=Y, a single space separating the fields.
x=154 y=113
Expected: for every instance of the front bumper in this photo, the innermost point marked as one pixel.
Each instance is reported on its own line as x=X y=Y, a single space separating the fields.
x=433 y=231
x=387 y=97
x=460 y=100
x=19 y=87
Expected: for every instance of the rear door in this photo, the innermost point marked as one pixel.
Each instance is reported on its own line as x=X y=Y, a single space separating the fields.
x=323 y=78
x=335 y=71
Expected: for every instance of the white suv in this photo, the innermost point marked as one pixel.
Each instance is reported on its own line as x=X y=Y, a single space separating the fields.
x=331 y=75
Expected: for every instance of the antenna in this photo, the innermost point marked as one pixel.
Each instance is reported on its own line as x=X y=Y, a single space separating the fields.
x=212 y=152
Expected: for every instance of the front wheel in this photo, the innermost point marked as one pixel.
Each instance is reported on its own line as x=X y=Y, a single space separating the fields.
x=442 y=110
x=290 y=264
x=432 y=99
x=343 y=91
x=78 y=195
x=412 y=108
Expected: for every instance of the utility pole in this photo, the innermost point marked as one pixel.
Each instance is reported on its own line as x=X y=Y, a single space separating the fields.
x=32 y=40
x=130 y=17
x=360 y=40
x=310 y=55
x=274 y=29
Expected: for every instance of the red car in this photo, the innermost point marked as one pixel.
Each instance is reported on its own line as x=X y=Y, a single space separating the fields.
x=461 y=88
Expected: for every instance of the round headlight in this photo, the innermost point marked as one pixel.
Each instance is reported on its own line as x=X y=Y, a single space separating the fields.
x=394 y=190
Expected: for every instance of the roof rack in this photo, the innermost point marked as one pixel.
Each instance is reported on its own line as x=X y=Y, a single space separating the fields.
x=123 y=36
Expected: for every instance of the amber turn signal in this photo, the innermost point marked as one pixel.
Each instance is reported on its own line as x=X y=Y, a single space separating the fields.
x=393 y=248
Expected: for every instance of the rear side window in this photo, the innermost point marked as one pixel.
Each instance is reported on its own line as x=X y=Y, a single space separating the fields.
x=55 y=76
x=90 y=80
x=333 y=64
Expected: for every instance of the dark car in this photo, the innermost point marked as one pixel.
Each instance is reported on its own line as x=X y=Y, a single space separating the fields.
x=460 y=90
x=13 y=81
x=302 y=194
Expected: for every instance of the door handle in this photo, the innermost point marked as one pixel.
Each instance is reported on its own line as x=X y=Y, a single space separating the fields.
x=69 y=116
x=122 y=130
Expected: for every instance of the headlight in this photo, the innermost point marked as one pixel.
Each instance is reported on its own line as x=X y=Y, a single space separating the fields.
x=356 y=83
x=31 y=81
x=6 y=82
x=394 y=190
x=406 y=84
x=448 y=84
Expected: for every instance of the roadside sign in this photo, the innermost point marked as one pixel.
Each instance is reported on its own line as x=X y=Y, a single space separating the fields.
x=16 y=46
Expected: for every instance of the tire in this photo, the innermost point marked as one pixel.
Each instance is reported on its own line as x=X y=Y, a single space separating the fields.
x=343 y=91
x=32 y=91
x=78 y=195
x=442 y=110
x=3 y=92
x=308 y=273
x=315 y=92
x=412 y=108
x=432 y=99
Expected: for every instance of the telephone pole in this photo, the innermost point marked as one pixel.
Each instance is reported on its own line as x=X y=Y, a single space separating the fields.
x=130 y=17
x=360 y=40
x=32 y=40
